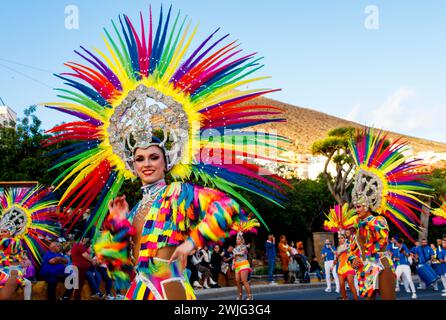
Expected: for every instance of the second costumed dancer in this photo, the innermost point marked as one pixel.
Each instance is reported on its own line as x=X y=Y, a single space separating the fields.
x=343 y=221
x=387 y=185
x=150 y=111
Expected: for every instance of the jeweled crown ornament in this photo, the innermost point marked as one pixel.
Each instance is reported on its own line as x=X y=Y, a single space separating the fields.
x=136 y=121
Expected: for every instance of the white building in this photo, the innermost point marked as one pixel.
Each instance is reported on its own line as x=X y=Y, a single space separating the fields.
x=7 y=115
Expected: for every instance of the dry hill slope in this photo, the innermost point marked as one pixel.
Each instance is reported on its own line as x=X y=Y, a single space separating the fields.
x=304 y=126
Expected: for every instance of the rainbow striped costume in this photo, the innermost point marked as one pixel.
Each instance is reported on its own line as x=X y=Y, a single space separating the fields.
x=10 y=251
x=181 y=211
x=374 y=231
x=241 y=259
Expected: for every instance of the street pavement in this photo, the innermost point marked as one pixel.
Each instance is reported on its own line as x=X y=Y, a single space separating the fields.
x=308 y=291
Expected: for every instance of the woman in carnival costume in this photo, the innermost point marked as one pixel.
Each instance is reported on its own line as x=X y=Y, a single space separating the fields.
x=342 y=220
x=151 y=111
x=27 y=220
x=387 y=185
x=241 y=263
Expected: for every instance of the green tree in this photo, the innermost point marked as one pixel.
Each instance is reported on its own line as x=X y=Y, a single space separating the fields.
x=22 y=156
x=335 y=148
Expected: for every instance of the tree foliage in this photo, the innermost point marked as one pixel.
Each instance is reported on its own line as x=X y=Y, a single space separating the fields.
x=335 y=148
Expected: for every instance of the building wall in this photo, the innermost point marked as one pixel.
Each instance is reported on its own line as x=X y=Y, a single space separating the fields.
x=7 y=115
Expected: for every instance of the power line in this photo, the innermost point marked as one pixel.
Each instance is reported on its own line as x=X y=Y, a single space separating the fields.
x=26 y=65
x=25 y=75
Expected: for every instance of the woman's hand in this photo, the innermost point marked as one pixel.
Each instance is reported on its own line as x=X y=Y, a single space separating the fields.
x=118 y=207
x=182 y=252
x=356 y=263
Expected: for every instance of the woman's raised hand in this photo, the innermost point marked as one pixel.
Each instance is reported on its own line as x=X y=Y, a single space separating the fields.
x=118 y=207
x=182 y=252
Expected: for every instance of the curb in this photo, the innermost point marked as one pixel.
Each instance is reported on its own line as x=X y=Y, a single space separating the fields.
x=230 y=292
x=226 y=293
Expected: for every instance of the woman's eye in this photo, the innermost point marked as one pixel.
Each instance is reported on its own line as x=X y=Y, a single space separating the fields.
x=139 y=159
x=154 y=158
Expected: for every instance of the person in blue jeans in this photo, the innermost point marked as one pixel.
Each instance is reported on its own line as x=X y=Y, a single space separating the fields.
x=270 y=247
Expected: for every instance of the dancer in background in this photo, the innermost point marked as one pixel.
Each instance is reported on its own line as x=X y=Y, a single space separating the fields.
x=387 y=184
x=27 y=223
x=342 y=220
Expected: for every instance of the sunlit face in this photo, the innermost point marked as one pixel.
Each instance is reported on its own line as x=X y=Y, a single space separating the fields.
x=55 y=247
x=149 y=164
x=341 y=239
x=362 y=211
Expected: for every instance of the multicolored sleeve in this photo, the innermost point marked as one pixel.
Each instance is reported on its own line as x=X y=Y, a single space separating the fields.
x=212 y=215
x=112 y=247
x=380 y=232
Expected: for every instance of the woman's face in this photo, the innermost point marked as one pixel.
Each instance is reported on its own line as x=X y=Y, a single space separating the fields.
x=362 y=211
x=341 y=239
x=283 y=239
x=149 y=164
x=238 y=241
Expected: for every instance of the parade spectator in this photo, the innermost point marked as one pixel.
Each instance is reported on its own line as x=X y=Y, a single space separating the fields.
x=80 y=258
x=226 y=265
x=202 y=266
x=284 y=254
x=328 y=255
x=28 y=275
x=300 y=248
x=316 y=268
x=103 y=272
x=216 y=260
x=193 y=272
x=94 y=279
x=52 y=270
x=270 y=247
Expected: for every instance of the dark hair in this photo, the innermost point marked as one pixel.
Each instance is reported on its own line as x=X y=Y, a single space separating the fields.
x=400 y=240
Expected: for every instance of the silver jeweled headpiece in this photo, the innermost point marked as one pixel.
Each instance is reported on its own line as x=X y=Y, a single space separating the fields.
x=367 y=190
x=14 y=220
x=143 y=113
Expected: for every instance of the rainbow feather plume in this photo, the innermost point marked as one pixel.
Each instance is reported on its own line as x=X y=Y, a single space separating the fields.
x=41 y=218
x=402 y=178
x=203 y=81
x=340 y=218
x=248 y=225
x=439 y=213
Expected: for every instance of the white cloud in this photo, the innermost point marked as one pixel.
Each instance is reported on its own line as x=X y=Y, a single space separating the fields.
x=405 y=113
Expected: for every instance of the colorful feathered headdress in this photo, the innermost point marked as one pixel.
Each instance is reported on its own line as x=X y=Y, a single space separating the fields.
x=439 y=213
x=340 y=218
x=29 y=218
x=387 y=178
x=146 y=89
x=240 y=227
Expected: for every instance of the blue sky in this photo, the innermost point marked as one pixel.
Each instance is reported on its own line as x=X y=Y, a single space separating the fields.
x=319 y=52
